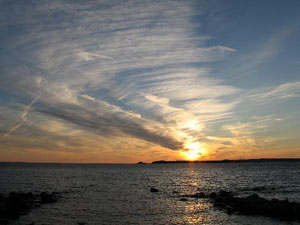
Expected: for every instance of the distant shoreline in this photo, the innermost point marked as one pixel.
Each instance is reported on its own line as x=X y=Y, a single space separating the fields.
x=231 y=161
x=261 y=160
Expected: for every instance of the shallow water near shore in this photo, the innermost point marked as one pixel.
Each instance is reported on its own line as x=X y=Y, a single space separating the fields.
x=120 y=194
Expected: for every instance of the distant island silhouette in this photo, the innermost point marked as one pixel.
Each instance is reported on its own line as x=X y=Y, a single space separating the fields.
x=231 y=160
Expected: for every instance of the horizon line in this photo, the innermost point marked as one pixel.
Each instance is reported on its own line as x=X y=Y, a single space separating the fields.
x=156 y=161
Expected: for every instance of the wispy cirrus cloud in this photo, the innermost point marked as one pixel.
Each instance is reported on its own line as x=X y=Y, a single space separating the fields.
x=114 y=69
x=23 y=118
x=283 y=91
x=140 y=54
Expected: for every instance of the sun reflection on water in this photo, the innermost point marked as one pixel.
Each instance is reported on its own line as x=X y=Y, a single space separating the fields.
x=197 y=213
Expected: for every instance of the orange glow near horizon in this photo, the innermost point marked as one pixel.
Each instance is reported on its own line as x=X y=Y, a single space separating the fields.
x=195 y=150
x=192 y=154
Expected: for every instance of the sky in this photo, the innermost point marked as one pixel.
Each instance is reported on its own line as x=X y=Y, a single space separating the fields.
x=126 y=81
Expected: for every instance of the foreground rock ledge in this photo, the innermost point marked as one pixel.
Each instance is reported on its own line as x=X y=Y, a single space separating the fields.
x=15 y=204
x=253 y=205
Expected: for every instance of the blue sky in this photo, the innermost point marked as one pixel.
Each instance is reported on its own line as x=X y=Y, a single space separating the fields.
x=121 y=81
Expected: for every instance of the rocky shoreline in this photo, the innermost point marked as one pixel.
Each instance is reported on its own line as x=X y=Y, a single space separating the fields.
x=253 y=205
x=16 y=204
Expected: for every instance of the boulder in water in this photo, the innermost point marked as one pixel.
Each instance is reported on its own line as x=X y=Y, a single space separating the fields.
x=153 y=190
x=48 y=197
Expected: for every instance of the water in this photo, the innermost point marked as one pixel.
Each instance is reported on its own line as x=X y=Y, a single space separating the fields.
x=119 y=194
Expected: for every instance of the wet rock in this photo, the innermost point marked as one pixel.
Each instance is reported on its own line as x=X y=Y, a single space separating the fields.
x=48 y=197
x=256 y=205
x=16 y=204
x=153 y=190
x=197 y=195
x=21 y=195
x=213 y=195
x=259 y=189
x=274 y=201
x=225 y=194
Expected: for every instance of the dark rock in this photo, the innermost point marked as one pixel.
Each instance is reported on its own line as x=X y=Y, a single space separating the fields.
x=274 y=201
x=213 y=195
x=256 y=205
x=252 y=205
x=14 y=205
x=225 y=194
x=183 y=199
x=253 y=196
x=153 y=190
x=21 y=195
x=48 y=197
x=259 y=189
x=199 y=195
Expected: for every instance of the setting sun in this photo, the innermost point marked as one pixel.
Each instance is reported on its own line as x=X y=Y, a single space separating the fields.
x=195 y=149
x=192 y=154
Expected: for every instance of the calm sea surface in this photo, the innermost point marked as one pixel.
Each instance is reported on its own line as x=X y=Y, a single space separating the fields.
x=120 y=194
